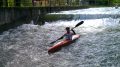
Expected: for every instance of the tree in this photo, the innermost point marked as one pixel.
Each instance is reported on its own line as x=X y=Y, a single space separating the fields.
x=27 y=3
x=10 y=3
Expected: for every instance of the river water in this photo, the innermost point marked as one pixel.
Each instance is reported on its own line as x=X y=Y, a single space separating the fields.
x=98 y=46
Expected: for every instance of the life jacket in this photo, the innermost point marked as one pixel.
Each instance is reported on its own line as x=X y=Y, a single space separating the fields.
x=68 y=36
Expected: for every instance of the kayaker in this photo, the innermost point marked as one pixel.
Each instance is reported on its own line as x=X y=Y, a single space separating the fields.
x=68 y=34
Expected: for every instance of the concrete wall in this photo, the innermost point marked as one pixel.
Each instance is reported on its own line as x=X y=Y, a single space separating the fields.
x=8 y=15
x=12 y=17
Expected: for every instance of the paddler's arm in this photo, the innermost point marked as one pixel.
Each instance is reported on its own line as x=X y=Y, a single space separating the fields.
x=57 y=39
x=73 y=31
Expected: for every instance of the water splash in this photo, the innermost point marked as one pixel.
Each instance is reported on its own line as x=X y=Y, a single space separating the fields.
x=101 y=10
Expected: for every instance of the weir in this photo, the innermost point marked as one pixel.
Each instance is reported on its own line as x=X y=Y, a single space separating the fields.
x=14 y=16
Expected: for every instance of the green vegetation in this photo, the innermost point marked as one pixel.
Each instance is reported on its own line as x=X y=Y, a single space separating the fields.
x=19 y=3
x=10 y=3
x=109 y=2
x=116 y=2
x=29 y=3
x=26 y=3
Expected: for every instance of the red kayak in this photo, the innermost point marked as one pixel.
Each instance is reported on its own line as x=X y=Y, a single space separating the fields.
x=63 y=43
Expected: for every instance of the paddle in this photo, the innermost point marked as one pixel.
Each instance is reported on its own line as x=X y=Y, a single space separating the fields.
x=78 y=24
x=72 y=28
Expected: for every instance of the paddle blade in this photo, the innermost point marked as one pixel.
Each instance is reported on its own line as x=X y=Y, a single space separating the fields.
x=79 y=23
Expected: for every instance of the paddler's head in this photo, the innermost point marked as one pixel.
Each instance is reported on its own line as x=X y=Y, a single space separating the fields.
x=67 y=29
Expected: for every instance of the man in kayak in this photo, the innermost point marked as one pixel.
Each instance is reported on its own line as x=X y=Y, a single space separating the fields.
x=68 y=34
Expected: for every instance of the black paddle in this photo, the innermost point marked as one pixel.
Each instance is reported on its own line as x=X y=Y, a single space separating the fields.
x=78 y=24
x=72 y=28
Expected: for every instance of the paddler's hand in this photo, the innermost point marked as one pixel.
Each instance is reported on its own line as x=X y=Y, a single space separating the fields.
x=72 y=28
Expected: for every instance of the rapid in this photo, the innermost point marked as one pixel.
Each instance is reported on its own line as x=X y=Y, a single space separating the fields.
x=98 y=46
